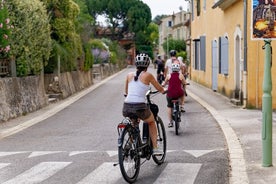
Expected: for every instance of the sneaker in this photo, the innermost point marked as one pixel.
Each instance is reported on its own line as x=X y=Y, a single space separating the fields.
x=170 y=124
x=157 y=151
x=182 y=109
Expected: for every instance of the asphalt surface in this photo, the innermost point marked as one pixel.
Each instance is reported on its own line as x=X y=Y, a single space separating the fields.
x=242 y=129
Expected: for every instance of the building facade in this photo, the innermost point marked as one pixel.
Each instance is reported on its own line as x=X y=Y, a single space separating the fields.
x=223 y=55
x=175 y=26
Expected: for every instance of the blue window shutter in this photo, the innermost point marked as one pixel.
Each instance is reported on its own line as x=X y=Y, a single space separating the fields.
x=224 y=55
x=203 y=53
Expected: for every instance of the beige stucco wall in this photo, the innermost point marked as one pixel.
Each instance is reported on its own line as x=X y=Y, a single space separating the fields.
x=214 y=23
x=255 y=63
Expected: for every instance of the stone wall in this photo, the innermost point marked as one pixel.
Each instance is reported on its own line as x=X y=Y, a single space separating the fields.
x=22 y=95
x=19 y=96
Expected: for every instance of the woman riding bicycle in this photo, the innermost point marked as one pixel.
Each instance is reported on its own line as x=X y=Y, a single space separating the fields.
x=175 y=91
x=136 y=86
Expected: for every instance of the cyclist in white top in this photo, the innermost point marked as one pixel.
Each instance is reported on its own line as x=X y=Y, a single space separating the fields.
x=136 y=85
x=168 y=71
x=172 y=59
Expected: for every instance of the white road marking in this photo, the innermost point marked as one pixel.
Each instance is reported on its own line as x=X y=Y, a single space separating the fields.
x=105 y=173
x=178 y=173
x=198 y=153
x=112 y=153
x=11 y=153
x=40 y=153
x=2 y=165
x=38 y=173
x=72 y=153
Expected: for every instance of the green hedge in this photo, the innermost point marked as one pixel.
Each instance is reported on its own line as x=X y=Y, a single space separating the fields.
x=30 y=39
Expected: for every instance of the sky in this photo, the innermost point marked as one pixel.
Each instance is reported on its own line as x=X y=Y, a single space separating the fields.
x=165 y=7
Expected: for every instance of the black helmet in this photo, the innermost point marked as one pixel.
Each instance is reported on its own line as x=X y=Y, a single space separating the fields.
x=142 y=60
x=172 y=53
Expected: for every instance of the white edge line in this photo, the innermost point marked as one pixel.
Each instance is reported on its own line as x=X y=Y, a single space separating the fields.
x=55 y=109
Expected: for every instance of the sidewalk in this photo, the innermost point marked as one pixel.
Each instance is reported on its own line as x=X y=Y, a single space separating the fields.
x=242 y=129
x=243 y=132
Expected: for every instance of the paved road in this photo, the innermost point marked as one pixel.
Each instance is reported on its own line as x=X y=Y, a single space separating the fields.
x=76 y=142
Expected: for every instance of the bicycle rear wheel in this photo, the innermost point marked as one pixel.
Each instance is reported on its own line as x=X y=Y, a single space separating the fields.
x=129 y=159
x=176 y=122
x=161 y=141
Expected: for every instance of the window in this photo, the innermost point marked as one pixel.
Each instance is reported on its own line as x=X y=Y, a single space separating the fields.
x=198 y=7
x=200 y=53
x=223 y=55
x=169 y=23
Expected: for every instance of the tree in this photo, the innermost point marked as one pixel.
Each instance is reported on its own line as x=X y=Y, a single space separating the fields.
x=158 y=18
x=5 y=27
x=123 y=16
x=30 y=38
x=172 y=44
x=68 y=44
x=84 y=21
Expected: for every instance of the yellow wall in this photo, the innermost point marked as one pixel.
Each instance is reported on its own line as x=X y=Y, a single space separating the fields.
x=214 y=23
x=255 y=63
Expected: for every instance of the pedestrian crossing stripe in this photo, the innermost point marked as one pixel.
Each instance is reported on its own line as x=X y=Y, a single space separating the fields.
x=112 y=153
x=72 y=153
x=38 y=173
x=2 y=165
x=105 y=173
x=40 y=153
x=195 y=153
x=177 y=173
x=198 y=153
x=11 y=153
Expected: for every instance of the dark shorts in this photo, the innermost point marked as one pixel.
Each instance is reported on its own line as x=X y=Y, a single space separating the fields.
x=169 y=101
x=141 y=110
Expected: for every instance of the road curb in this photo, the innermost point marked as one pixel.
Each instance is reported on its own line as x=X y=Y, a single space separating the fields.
x=52 y=111
x=238 y=172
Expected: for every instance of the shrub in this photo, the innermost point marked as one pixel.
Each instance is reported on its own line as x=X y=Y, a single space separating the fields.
x=30 y=38
x=63 y=26
x=5 y=27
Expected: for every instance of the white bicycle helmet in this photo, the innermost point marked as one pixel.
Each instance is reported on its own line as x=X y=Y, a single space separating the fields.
x=175 y=67
x=142 y=60
x=180 y=58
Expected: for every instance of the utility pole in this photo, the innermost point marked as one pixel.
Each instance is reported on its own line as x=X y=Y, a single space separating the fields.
x=267 y=107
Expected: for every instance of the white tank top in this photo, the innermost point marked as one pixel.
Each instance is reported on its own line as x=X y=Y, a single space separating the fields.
x=136 y=91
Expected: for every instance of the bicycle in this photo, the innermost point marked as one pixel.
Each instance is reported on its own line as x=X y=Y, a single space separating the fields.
x=132 y=147
x=176 y=115
x=160 y=77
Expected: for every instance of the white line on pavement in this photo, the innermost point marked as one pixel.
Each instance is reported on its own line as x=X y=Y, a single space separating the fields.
x=178 y=173
x=105 y=173
x=2 y=165
x=38 y=173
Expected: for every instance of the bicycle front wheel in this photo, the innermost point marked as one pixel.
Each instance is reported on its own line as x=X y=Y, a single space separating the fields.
x=161 y=141
x=129 y=159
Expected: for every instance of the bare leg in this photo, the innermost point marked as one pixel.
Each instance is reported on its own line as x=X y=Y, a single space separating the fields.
x=169 y=111
x=152 y=130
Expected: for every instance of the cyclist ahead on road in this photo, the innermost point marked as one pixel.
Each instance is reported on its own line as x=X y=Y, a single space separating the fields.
x=168 y=70
x=160 y=69
x=175 y=91
x=136 y=86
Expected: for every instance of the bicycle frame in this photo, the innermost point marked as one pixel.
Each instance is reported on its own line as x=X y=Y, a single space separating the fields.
x=176 y=115
x=131 y=147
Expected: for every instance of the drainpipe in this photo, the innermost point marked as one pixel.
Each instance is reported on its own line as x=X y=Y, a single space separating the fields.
x=245 y=54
